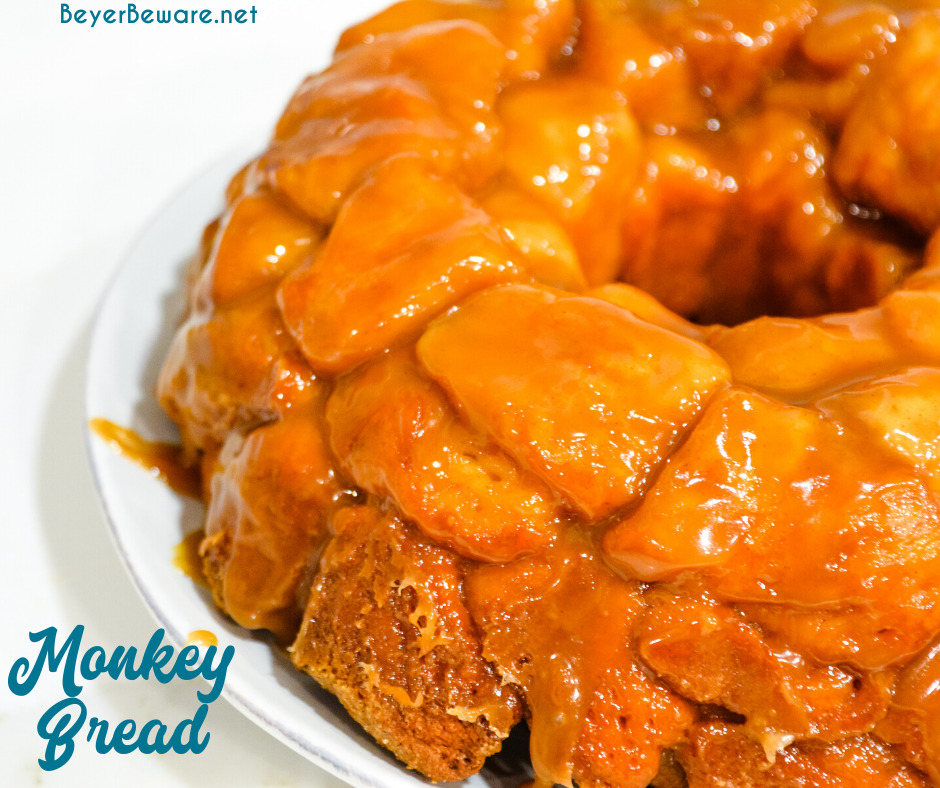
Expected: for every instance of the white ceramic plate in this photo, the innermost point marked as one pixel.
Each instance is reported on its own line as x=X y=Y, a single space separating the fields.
x=147 y=520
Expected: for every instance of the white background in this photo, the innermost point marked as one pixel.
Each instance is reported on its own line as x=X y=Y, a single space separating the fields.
x=99 y=128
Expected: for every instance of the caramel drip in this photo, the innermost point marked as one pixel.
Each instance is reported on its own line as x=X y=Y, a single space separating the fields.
x=186 y=557
x=202 y=637
x=164 y=461
x=575 y=677
x=558 y=693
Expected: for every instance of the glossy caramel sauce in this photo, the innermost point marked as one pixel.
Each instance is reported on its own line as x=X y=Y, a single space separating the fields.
x=201 y=637
x=163 y=461
x=186 y=557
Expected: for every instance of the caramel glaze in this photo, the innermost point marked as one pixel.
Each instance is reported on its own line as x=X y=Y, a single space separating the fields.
x=202 y=637
x=187 y=559
x=598 y=379
x=164 y=461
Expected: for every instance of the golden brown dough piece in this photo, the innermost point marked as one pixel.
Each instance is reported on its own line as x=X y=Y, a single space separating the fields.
x=595 y=715
x=913 y=722
x=367 y=292
x=585 y=386
x=397 y=437
x=534 y=32
x=386 y=630
x=720 y=755
x=890 y=149
x=711 y=653
x=828 y=541
x=269 y=501
x=231 y=365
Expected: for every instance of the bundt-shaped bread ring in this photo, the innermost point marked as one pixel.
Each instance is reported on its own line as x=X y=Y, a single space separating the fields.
x=580 y=360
